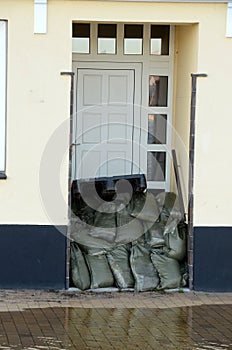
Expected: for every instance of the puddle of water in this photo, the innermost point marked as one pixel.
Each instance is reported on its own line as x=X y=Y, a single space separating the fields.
x=204 y=327
x=212 y=345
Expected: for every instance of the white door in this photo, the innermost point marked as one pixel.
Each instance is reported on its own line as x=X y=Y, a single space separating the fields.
x=104 y=122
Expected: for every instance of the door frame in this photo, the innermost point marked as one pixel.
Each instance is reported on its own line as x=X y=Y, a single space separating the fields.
x=146 y=64
x=137 y=68
x=150 y=65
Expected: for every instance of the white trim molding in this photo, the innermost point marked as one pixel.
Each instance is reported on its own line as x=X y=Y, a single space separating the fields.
x=229 y=21
x=3 y=46
x=40 y=16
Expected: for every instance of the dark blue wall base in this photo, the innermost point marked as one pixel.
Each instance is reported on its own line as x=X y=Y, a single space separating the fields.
x=212 y=265
x=32 y=256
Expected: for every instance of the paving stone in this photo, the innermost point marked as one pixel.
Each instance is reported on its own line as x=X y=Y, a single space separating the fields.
x=125 y=321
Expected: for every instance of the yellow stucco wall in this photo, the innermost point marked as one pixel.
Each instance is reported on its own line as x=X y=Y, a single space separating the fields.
x=213 y=126
x=186 y=58
x=38 y=102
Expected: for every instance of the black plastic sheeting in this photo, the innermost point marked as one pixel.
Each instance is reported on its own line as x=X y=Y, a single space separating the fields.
x=135 y=240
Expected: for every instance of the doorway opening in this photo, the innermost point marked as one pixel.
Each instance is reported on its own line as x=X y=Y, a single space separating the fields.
x=123 y=128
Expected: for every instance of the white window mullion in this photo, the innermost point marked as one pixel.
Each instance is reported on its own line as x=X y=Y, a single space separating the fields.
x=3 y=25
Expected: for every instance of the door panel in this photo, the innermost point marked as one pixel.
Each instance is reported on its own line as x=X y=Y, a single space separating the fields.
x=91 y=127
x=118 y=130
x=92 y=89
x=88 y=161
x=118 y=86
x=104 y=122
x=116 y=160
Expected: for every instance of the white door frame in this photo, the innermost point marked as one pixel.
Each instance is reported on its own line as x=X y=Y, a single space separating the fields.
x=137 y=68
x=149 y=65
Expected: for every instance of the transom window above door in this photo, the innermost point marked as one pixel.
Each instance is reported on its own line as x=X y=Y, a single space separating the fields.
x=106 y=39
x=110 y=38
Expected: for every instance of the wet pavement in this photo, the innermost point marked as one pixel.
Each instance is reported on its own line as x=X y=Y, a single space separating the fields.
x=172 y=321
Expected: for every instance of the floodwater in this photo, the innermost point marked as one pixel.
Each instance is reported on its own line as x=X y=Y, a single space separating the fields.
x=195 y=327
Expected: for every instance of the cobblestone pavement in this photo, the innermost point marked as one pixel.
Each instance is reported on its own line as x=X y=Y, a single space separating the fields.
x=33 y=320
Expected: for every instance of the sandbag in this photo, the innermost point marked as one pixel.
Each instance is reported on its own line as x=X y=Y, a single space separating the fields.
x=168 y=270
x=119 y=262
x=168 y=204
x=105 y=222
x=183 y=230
x=144 y=272
x=124 y=198
x=145 y=207
x=176 y=245
x=77 y=225
x=88 y=235
x=85 y=212
x=123 y=216
x=107 y=235
x=137 y=203
x=128 y=229
x=94 y=251
x=78 y=268
x=170 y=217
x=129 y=232
x=166 y=200
x=100 y=272
x=184 y=274
x=154 y=235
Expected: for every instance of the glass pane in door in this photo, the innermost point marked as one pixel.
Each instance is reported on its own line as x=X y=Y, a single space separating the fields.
x=157 y=126
x=133 y=39
x=156 y=164
x=107 y=34
x=80 y=37
x=159 y=42
x=158 y=91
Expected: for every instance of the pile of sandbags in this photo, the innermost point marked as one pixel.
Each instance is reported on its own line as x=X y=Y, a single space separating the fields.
x=138 y=244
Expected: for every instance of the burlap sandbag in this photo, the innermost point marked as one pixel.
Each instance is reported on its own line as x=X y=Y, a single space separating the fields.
x=145 y=274
x=88 y=235
x=105 y=222
x=77 y=226
x=168 y=270
x=145 y=207
x=84 y=212
x=100 y=272
x=154 y=235
x=169 y=206
x=166 y=200
x=119 y=262
x=176 y=246
x=128 y=228
x=78 y=268
x=184 y=274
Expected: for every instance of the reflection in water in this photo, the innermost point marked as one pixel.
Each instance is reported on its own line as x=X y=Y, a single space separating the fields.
x=197 y=327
